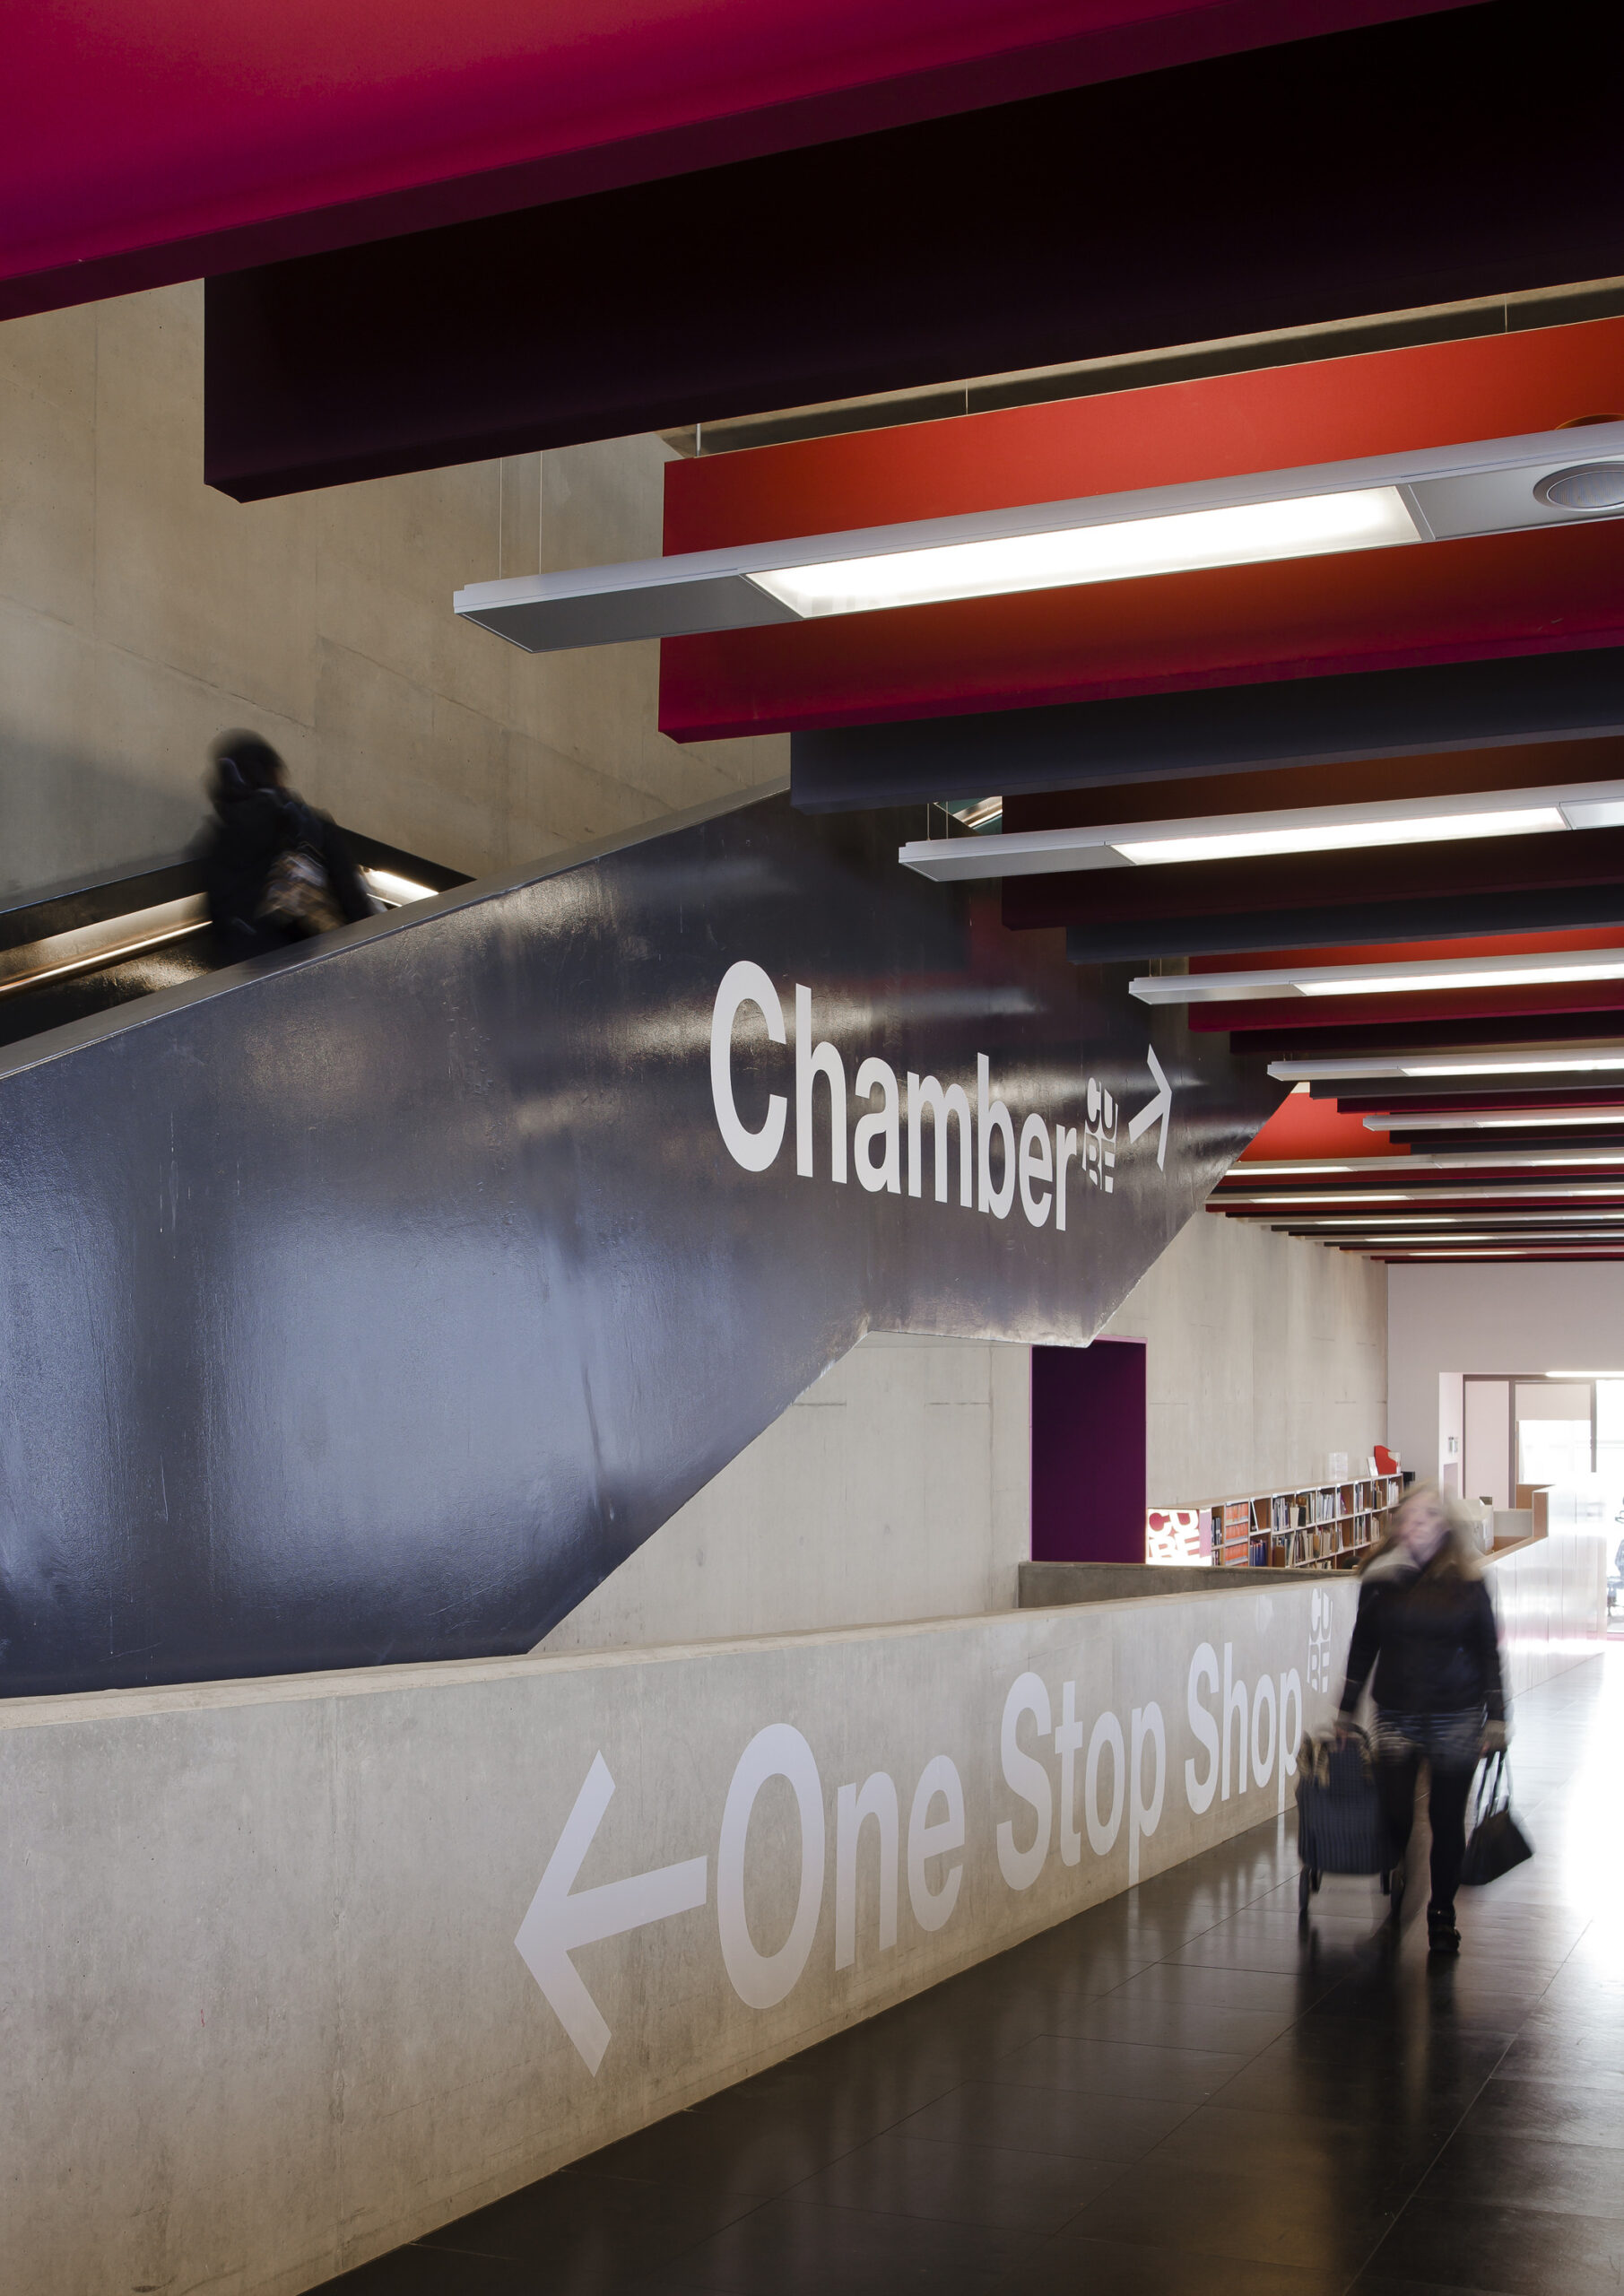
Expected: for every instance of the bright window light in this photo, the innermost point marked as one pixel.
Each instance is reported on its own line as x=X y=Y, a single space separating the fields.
x=1344 y=837
x=1248 y=534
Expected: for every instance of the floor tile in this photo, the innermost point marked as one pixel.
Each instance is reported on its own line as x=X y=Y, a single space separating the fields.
x=797 y=2247
x=587 y=2229
x=1206 y=1988
x=1555 y=2110
x=962 y=2184
x=1311 y=2224
x=1506 y=2251
x=431 y=2271
x=1273 y=2144
x=1074 y=2124
x=1073 y=2264
x=1179 y=2024
x=1514 y=2169
x=738 y=2149
x=1119 y=2068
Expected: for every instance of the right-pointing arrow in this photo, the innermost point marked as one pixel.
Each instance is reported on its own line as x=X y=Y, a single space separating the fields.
x=1153 y=1111
x=558 y=1921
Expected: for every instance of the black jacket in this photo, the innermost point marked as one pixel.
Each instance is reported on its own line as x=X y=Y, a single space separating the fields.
x=1430 y=1635
x=249 y=833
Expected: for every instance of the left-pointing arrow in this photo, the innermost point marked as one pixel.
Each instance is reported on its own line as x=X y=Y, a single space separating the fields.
x=559 y=1921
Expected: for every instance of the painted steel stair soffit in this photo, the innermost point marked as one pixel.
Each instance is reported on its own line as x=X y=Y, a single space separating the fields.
x=421 y=1278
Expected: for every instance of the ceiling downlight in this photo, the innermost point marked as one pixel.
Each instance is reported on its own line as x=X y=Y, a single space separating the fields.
x=1582 y=486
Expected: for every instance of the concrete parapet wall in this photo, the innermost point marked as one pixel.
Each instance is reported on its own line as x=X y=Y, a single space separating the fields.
x=1044 y=1585
x=1550 y=1595
x=265 y=2013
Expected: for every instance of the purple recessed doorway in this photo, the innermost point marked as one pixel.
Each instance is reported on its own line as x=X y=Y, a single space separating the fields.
x=1088 y=1452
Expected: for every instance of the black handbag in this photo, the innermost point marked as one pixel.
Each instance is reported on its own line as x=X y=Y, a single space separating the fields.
x=1497 y=1842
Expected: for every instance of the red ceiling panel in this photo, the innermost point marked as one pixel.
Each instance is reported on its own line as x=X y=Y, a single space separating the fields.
x=1304 y=1127
x=1383 y=402
x=1522 y=593
x=1371 y=610
x=147 y=143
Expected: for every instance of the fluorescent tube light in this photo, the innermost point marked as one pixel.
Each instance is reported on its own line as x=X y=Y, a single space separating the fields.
x=1247 y=534
x=1548 y=1062
x=1290 y=1197
x=1487 y=972
x=1509 y=1062
x=1475 y=1215
x=1510 y=1158
x=1533 y=1250
x=1530 y=1120
x=1486 y=1235
x=1415 y=977
x=1436 y=495
x=1377 y=830
x=1584 y=1375
x=1487 y=1192
x=1226 y=837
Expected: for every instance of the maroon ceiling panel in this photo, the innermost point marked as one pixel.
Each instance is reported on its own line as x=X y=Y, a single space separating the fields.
x=149 y=143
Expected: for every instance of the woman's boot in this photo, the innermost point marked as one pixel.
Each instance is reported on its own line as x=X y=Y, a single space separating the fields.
x=1442 y=1936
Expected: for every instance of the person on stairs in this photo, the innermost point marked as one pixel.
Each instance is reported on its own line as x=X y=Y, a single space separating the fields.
x=275 y=871
x=1427 y=1626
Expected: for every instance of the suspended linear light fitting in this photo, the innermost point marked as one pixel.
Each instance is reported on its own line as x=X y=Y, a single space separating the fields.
x=1416 y=977
x=1528 y=1120
x=1578 y=1062
x=1244 y=837
x=1376 y=502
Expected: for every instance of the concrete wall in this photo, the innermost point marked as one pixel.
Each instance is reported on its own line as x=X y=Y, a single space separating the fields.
x=140 y=614
x=1264 y=1353
x=899 y=1487
x=265 y=2013
x=1494 y=1318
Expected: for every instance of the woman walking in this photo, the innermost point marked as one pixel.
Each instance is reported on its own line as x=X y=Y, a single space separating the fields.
x=1426 y=1624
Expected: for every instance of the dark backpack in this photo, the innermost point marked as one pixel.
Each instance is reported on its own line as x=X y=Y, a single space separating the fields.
x=298 y=898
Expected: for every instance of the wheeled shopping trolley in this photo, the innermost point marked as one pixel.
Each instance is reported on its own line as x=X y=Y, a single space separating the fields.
x=1341 y=1828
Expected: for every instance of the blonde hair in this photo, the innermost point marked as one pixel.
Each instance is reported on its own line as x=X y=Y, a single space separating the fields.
x=1461 y=1549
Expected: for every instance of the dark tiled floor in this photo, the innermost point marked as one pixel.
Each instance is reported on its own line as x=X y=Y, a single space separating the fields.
x=1179 y=2093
